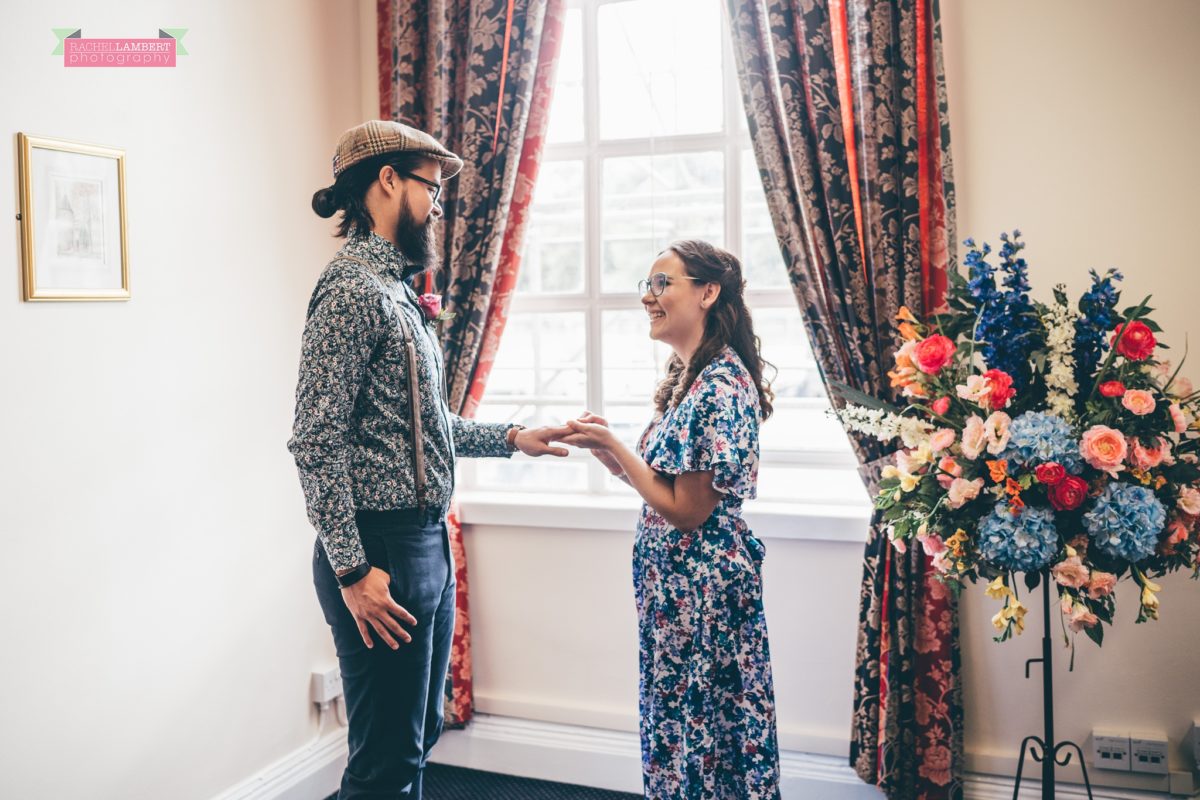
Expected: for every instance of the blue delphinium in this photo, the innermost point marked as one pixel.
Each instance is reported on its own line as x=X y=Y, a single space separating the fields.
x=1126 y=521
x=1037 y=438
x=1007 y=325
x=1023 y=542
x=1098 y=318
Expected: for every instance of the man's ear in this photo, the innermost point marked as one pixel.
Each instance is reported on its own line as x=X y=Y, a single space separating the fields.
x=711 y=292
x=388 y=179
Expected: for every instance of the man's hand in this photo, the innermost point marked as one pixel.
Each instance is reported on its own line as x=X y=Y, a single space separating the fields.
x=605 y=457
x=536 y=441
x=371 y=604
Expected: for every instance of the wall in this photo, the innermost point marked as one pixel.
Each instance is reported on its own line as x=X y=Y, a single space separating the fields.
x=158 y=620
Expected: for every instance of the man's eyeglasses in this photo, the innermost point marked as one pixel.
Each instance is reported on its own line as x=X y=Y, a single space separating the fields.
x=437 y=187
x=657 y=283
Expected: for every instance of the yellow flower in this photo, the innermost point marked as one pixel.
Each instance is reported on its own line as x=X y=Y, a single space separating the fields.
x=921 y=455
x=1016 y=613
x=1071 y=552
x=999 y=620
x=905 y=315
x=997 y=590
x=955 y=542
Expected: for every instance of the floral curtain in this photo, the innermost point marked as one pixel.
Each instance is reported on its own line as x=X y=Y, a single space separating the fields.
x=846 y=106
x=477 y=75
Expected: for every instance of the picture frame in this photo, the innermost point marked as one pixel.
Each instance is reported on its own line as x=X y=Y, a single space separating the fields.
x=74 y=245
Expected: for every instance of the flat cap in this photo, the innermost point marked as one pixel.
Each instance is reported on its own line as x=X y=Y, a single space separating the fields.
x=379 y=136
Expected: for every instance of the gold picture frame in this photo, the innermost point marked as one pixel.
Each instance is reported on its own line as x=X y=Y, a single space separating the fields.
x=73 y=241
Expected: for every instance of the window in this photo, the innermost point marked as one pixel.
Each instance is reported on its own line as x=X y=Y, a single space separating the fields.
x=647 y=143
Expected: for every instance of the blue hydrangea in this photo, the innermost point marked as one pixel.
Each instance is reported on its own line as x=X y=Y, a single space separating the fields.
x=1023 y=542
x=1036 y=438
x=1126 y=521
x=1008 y=327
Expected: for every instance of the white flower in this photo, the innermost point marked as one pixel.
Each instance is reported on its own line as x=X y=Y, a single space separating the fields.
x=885 y=426
x=1061 y=386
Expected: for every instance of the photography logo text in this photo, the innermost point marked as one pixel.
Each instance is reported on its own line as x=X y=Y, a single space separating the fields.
x=157 y=52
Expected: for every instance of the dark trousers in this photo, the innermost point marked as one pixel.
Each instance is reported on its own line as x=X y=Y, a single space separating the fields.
x=394 y=697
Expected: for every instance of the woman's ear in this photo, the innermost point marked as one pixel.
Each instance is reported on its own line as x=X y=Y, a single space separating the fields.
x=711 y=292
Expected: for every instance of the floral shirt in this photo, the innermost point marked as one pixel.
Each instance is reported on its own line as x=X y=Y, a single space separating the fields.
x=352 y=437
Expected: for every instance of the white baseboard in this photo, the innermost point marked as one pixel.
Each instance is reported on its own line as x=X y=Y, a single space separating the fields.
x=596 y=757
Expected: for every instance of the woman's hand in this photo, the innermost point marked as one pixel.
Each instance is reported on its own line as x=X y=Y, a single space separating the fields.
x=589 y=432
x=604 y=456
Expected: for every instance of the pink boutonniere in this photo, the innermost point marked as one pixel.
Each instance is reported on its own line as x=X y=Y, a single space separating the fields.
x=431 y=304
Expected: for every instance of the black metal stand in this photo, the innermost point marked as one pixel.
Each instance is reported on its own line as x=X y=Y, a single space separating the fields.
x=1049 y=749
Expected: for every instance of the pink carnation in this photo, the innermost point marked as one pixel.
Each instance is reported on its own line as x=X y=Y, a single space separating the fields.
x=1101 y=584
x=1082 y=618
x=1145 y=458
x=1070 y=572
x=1189 y=500
x=962 y=491
x=974 y=437
x=1178 y=418
x=948 y=465
x=941 y=439
x=998 y=434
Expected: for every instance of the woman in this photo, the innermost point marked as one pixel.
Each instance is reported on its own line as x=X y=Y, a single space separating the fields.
x=706 y=698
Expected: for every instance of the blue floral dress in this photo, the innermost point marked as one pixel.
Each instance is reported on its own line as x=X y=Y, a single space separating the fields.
x=706 y=697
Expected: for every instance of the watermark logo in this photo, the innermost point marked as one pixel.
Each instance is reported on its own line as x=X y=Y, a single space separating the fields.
x=80 y=52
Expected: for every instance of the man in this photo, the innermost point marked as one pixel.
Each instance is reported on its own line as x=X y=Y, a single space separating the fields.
x=377 y=469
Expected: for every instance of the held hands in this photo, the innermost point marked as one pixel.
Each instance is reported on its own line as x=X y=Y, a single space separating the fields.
x=371 y=604
x=591 y=432
x=536 y=441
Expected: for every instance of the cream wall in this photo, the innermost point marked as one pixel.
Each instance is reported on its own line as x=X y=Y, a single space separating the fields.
x=158 y=622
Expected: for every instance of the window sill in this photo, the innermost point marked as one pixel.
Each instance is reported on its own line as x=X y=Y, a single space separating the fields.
x=809 y=522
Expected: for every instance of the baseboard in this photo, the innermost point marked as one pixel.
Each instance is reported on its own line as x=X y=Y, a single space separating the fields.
x=596 y=757
x=310 y=773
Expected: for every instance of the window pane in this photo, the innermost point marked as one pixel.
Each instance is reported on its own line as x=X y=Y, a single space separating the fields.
x=522 y=472
x=633 y=362
x=760 y=249
x=566 y=110
x=553 y=249
x=541 y=358
x=660 y=68
x=800 y=421
x=810 y=485
x=649 y=201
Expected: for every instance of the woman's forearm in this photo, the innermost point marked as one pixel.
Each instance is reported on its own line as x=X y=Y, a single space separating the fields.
x=657 y=491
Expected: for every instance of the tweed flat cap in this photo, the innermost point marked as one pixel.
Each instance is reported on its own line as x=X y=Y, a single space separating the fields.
x=379 y=136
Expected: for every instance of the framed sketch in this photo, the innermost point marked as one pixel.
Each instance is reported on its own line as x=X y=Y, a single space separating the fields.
x=73 y=243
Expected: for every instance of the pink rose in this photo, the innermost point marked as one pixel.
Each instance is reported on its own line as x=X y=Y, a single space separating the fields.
x=941 y=439
x=1139 y=401
x=1101 y=584
x=948 y=465
x=974 y=437
x=941 y=406
x=1189 y=500
x=1104 y=448
x=933 y=353
x=431 y=304
x=1178 y=418
x=1082 y=618
x=1051 y=473
x=1070 y=572
x=1134 y=340
x=963 y=491
x=998 y=434
x=1145 y=458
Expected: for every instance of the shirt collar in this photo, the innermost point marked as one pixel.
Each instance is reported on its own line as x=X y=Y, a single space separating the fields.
x=381 y=255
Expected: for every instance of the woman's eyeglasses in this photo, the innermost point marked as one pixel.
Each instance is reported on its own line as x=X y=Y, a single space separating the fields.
x=657 y=283
x=437 y=187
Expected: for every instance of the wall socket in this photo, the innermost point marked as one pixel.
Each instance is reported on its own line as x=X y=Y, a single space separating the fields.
x=1148 y=752
x=326 y=685
x=1110 y=750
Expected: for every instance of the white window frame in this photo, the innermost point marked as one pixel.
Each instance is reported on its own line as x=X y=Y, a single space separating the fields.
x=731 y=141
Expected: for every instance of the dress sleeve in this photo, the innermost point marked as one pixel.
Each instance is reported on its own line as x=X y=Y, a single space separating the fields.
x=714 y=428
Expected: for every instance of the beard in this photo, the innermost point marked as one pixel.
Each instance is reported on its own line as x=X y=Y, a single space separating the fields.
x=414 y=240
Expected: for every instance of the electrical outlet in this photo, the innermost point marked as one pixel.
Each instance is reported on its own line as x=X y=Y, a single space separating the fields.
x=326 y=685
x=1110 y=750
x=1148 y=753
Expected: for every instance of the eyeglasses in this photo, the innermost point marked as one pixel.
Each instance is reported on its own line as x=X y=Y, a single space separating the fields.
x=437 y=187
x=657 y=283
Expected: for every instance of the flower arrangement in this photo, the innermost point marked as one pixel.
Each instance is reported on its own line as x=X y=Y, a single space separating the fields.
x=1041 y=439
